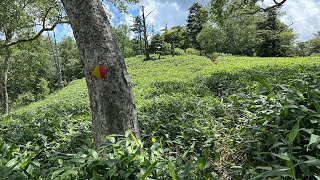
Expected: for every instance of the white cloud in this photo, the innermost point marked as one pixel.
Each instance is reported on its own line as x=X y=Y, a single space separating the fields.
x=305 y=15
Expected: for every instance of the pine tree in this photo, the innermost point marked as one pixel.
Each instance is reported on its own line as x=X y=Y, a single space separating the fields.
x=268 y=35
x=137 y=28
x=196 y=20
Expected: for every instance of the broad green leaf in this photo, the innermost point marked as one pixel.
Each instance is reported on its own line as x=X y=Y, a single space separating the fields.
x=67 y=173
x=299 y=93
x=312 y=162
x=274 y=173
x=9 y=153
x=56 y=173
x=317 y=106
x=145 y=175
x=314 y=139
x=12 y=163
x=171 y=170
x=284 y=156
x=202 y=162
x=26 y=162
x=264 y=83
x=293 y=134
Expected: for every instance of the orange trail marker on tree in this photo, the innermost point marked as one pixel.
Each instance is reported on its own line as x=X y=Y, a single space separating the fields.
x=99 y=72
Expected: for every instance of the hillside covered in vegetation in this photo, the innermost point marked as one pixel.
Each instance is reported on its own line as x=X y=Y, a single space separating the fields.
x=232 y=118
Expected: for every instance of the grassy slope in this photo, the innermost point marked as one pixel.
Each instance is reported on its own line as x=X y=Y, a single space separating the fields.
x=177 y=98
x=177 y=69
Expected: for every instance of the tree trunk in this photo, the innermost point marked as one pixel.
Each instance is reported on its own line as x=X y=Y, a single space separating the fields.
x=146 y=50
x=111 y=98
x=58 y=64
x=140 y=42
x=56 y=61
x=5 y=68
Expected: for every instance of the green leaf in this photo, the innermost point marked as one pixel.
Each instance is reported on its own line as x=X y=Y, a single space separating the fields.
x=217 y=155
x=284 y=156
x=291 y=169
x=264 y=83
x=135 y=139
x=277 y=172
x=9 y=153
x=293 y=134
x=264 y=168
x=5 y=171
x=25 y=163
x=314 y=139
x=12 y=163
x=95 y=175
x=317 y=106
x=285 y=112
x=145 y=175
x=56 y=173
x=172 y=173
x=67 y=173
x=202 y=162
x=299 y=94
x=312 y=162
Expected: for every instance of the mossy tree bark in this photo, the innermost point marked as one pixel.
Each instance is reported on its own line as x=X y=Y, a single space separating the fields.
x=111 y=98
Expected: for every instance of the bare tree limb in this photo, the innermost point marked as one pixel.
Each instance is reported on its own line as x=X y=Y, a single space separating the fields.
x=149 y=13
x=276 y=4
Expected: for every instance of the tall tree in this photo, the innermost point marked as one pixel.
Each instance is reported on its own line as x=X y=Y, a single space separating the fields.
x=71 y=66
x=29 y=64
x=196 y=20
x=145 y=35
x=55 y=57
x=268 y=30
x=221 y=9
x=314 y=45
x=111 y=98
x=18 y=21
x=122 y=37
x=274 y=37
x=176 y=35
x=137 y=27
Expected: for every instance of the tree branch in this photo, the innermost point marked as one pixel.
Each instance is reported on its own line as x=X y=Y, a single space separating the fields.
x=45 y=17
x=36 y=35
x=276 y=4
x=149 y=13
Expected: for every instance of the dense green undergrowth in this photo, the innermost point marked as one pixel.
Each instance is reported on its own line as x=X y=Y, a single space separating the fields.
x=236 y=118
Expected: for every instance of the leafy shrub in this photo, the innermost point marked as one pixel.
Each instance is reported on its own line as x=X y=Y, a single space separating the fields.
x=179 y=51
x=42 y=89
x=193 y=51
x=240 y=118
x=315 y=54
x=24 y=99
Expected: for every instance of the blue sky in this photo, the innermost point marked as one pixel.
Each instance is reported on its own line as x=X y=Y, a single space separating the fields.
x=304 y=14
